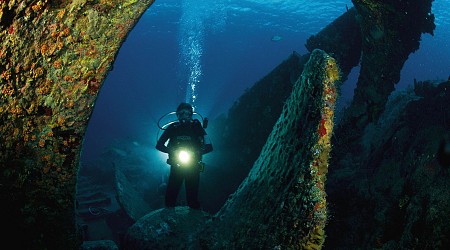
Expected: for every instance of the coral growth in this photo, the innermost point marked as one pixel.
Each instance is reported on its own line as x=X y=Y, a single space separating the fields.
x=46 y=102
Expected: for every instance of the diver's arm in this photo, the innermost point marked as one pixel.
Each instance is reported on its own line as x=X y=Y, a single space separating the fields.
x=207 y=148
x=161 y=147
x=161 y=144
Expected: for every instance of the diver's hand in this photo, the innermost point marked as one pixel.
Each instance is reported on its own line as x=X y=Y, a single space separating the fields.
x=170 y=151
x=207 y=148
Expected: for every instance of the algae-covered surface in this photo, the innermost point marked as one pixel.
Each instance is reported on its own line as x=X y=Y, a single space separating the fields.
x=284 y=192
x=54 y=56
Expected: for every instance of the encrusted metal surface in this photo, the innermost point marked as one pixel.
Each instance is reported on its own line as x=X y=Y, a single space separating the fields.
x=54 y=56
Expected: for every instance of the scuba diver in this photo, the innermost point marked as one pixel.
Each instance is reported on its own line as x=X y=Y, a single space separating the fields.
x=186 y=146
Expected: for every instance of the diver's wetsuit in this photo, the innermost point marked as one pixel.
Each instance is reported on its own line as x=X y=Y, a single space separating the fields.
x=189 y=135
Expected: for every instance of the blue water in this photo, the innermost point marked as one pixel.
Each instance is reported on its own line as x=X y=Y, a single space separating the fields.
x=210 y=52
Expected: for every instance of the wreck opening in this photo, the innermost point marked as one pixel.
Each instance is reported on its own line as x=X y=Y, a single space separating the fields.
x=167 y=51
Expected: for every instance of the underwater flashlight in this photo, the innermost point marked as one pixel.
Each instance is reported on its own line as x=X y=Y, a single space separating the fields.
x=184 y=157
